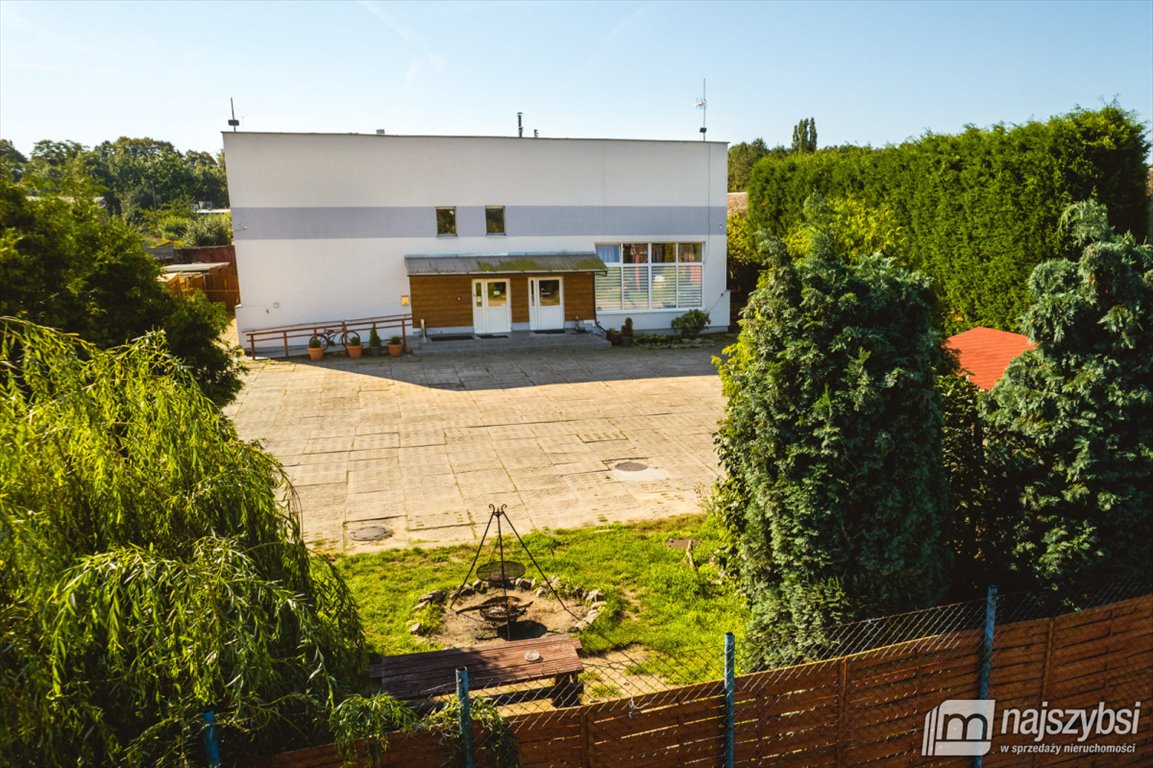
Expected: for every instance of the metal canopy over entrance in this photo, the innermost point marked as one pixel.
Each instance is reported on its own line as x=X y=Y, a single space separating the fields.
x=502 y=263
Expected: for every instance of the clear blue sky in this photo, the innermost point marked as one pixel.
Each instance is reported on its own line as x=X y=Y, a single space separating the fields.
x=868 y=72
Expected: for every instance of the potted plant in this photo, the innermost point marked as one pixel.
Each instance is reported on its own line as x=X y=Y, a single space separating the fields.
x=627 y=333
x=315 y=350
x=395 y=346
x=374 y=340
x=352 y=345
x=613 y=337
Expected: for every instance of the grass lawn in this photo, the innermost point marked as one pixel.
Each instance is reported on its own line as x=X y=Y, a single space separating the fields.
x=655 y=599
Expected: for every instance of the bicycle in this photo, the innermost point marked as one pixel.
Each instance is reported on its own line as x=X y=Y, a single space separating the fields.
x=330 y=336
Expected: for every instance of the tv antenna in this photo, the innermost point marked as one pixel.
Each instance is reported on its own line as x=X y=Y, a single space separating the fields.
x=703 y=106
x=233 y=122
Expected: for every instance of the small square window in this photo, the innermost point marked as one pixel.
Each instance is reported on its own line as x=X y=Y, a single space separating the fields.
x=446 y=221
x=494 y=220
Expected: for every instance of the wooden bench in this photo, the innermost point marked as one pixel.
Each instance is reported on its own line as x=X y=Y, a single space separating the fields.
x=421 y=676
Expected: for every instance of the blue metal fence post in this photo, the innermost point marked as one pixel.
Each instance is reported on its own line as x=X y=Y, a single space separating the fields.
x=211 y=744
x=730 y=698
x=465 y=715
x=986 y=654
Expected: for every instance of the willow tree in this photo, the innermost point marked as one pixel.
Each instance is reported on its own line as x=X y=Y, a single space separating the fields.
x=1070 y=425
x=151 y=568
x=836 y=496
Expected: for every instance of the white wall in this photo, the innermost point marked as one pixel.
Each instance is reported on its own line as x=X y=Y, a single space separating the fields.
x=286 y=188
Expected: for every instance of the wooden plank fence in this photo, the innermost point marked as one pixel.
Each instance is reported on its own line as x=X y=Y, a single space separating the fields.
x=867 y=709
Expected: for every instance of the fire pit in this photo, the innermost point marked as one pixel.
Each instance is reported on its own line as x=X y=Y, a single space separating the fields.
x=503 y=610
x=503 y=574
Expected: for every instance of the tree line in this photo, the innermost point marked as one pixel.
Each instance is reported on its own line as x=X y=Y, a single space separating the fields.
x=138 y=175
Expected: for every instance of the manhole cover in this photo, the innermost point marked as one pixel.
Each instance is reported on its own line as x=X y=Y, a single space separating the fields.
x=371 y=533
x=631 y=466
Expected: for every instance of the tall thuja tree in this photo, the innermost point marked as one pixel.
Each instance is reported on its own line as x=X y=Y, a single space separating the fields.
x=835 y=497
x=1070 y=425
x=151 y=568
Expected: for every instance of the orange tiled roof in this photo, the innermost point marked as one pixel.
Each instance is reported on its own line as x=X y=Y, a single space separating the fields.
x=985 y=353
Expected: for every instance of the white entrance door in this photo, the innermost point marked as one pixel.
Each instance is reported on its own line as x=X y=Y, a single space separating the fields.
x=545 y=303
x=491 y=309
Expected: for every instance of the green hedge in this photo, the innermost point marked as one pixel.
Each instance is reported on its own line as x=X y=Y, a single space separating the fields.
x=979 y=210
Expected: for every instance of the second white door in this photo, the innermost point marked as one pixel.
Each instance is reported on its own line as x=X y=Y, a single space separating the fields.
x=545 y=303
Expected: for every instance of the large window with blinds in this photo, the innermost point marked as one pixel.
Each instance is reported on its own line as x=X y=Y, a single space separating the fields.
x=649 y=276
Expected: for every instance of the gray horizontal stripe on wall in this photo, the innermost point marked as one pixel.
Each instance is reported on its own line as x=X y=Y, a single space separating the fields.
x=520 y=221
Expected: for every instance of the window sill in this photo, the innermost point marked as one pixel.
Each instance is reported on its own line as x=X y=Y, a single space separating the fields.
x=601 y=310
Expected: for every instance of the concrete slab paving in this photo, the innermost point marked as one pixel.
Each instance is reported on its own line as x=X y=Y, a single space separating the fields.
x=422 y=444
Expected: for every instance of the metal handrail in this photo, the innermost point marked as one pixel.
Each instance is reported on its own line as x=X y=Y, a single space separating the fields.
x=362 y=326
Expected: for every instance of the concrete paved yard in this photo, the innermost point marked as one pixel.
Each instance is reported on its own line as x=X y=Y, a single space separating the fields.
x=422 y=445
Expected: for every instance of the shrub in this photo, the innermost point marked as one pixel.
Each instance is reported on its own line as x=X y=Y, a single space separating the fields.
x=691 y=323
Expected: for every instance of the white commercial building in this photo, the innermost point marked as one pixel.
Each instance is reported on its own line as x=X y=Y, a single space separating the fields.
x=477 y=234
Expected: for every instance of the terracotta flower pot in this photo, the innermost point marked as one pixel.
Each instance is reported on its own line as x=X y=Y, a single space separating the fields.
x=394 y=350
x=355 y=351
x=316 y=353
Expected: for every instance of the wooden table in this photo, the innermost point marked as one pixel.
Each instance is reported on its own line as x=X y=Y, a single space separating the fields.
x=421 y=676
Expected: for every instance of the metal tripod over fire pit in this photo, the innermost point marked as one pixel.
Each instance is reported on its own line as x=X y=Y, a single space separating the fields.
x=502 y=611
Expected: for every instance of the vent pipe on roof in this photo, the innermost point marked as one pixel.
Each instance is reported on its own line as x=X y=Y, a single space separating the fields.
x=519 y=125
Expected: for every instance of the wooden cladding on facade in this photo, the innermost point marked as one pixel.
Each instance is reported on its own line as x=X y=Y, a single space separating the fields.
x=445 y=301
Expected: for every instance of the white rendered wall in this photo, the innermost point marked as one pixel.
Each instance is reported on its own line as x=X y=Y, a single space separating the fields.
x=303 y=195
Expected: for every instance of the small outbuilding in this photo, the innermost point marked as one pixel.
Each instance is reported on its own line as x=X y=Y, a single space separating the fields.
x=985 y=353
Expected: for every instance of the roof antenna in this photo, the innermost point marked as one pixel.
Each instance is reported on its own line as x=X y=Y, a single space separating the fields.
x=233 y=122
x=519 y=125
x=703 y=106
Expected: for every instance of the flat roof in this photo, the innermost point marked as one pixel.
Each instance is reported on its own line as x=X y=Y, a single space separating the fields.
x=460 y=136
